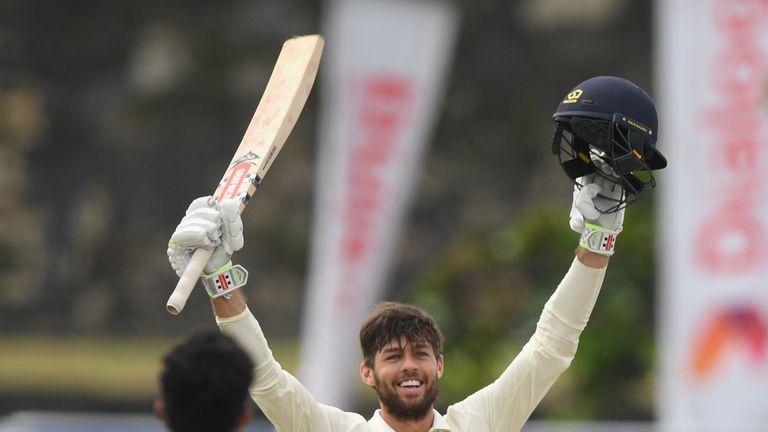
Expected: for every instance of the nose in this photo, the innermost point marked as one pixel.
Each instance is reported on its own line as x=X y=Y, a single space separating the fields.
x=409 y=362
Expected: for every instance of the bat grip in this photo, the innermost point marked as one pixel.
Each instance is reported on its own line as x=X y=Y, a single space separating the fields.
x=187 y=281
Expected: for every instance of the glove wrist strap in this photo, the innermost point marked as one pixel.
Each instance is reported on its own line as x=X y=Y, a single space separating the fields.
x=224 y=280
x=598 y=239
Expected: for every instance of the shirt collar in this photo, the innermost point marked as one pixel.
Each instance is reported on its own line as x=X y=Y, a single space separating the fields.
x=379 y=425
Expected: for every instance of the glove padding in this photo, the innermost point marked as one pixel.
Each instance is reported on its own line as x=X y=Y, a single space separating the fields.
x=207 y=225
x=598 y=230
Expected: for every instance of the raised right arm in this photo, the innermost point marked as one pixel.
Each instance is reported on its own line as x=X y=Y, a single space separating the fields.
x=287 y=404
x=285 y=401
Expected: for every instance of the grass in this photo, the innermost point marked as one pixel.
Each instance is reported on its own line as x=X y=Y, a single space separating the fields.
x=115 y=368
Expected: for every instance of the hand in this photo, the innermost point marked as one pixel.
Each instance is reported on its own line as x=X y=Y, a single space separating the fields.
x=597 y=228
x=207 y=225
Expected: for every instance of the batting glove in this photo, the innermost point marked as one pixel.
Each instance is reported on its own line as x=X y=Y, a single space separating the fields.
x=207 y=225
x=598 y=230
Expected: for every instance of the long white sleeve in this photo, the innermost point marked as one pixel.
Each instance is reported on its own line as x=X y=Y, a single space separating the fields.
x=504 y=405
x=287 y=404
x=567 y=312
x=508 y=402
x=245 y=329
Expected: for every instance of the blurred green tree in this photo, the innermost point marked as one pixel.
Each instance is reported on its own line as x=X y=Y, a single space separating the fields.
x=487 y=291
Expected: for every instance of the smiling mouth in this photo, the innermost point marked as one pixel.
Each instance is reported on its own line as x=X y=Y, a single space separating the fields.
x=410 y=384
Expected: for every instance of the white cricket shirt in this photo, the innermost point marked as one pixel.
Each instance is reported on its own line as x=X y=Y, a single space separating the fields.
x=502 y=406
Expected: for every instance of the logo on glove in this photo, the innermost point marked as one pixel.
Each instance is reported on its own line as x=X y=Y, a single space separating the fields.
x=608 y=242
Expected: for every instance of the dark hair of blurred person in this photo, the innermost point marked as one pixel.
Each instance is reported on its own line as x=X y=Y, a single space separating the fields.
x=204 y=385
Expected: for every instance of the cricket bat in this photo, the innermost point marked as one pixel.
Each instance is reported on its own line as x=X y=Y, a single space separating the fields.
x=283 y=99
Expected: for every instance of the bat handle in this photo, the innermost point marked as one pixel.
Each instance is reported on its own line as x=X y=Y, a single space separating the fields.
x=187 y=281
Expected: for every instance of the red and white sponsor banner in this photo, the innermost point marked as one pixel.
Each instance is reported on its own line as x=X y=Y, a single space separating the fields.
x=382 y=75
x=712 y=88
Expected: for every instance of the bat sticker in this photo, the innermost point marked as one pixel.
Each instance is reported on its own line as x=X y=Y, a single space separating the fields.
x=230 y=186
x=248 y=157
x=271 y=153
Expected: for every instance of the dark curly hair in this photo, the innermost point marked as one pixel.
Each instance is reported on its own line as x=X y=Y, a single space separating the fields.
x=391 y=320
x=205 y=384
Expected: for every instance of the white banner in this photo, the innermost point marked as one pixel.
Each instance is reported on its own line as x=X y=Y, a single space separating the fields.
x=384 y=67
x=713 y=83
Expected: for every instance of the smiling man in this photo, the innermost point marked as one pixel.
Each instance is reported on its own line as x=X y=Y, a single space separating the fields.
x=596 y=128
x=402 y=361
x=402 y=349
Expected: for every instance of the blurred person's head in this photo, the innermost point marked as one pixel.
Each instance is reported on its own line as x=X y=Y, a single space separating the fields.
x=402 y=359
x=204 y=385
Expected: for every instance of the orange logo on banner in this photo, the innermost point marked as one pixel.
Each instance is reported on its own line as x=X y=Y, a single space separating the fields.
x=738 y=325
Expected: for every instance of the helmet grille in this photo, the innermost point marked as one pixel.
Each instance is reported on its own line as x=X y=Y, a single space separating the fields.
x=604 y=148
x=596 y=132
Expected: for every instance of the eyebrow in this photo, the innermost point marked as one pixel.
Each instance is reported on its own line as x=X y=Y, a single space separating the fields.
x=398 y=348
x=392 y=348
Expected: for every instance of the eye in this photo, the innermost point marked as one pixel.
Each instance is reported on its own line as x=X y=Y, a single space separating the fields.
x=392 y=357
x=422 y=354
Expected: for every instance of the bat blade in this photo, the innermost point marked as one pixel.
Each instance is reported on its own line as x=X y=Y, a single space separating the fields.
x=283 y=99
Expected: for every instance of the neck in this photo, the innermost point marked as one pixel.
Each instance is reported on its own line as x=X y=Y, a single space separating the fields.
x=398 y=425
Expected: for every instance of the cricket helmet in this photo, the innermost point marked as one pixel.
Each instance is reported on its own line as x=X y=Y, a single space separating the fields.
x=608 y=126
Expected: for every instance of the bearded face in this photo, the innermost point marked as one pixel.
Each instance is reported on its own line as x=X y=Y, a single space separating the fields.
x=405 y=378
x=409 y=398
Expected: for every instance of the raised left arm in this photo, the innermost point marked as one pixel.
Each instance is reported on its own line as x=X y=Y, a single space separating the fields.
x=507 y=403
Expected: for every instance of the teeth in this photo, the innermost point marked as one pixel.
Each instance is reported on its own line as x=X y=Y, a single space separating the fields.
x=410 y=383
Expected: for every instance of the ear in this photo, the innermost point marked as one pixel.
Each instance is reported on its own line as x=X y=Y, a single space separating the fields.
x=440 y=366
x=366 y=374
x=245 y=417
x=159 y=408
